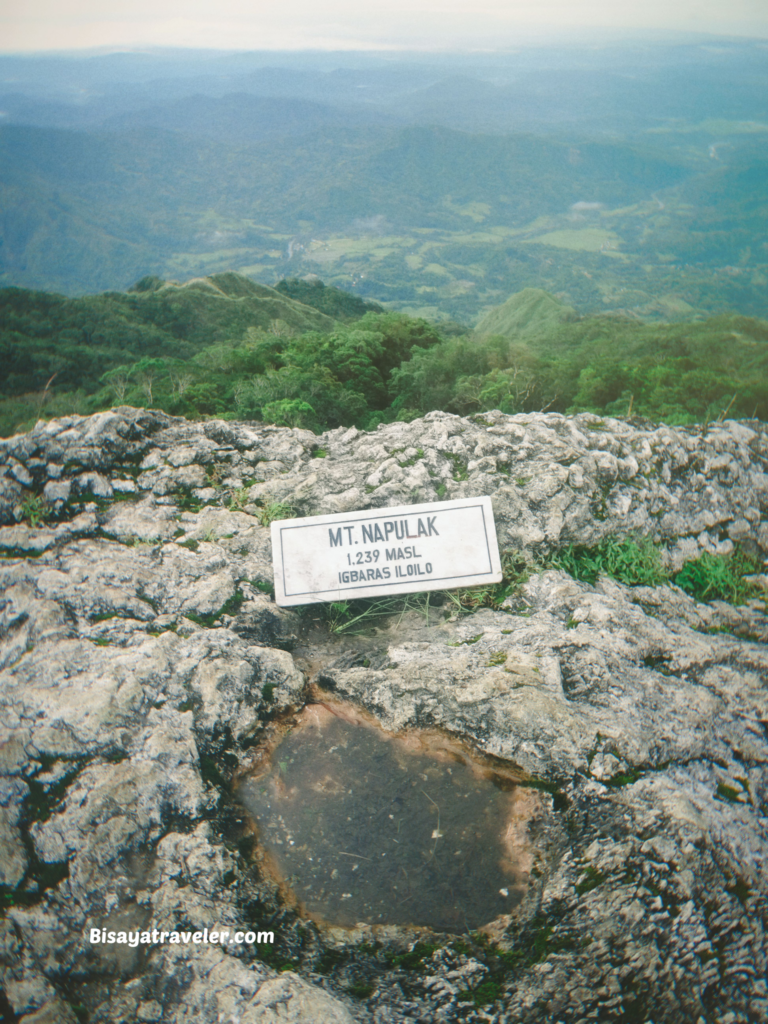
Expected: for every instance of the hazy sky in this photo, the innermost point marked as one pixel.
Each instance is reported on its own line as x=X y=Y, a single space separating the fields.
x=353 y=24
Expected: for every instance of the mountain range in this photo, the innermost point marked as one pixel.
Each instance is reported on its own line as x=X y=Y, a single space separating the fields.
x=630 y=178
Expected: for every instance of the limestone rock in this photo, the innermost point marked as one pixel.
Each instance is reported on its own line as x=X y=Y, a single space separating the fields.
x=553 y=479
x=142 y=660
x=13 y=856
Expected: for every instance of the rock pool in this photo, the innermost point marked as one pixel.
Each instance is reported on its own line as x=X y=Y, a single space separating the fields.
x=366 y=827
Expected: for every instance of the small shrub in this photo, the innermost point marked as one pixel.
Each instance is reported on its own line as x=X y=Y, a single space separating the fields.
x=290 y=412
x=35 y=510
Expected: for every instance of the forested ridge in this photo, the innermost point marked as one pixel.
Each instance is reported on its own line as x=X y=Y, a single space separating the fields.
x=225 y=346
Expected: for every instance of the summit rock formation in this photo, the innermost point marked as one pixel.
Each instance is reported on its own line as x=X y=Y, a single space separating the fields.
x=143 y=662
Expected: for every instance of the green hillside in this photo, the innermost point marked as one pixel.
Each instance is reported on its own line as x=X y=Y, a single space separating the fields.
x=332 y=301
x=224 y=346
x=74 y=342
x=542 y=356
x=529 y=313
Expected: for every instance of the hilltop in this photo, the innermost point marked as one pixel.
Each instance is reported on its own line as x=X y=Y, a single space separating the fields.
x=528 y=313
x=74 y=342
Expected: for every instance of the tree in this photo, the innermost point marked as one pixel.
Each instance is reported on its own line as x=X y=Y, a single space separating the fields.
x=146 y=371
x=118 y=379
x=290 y=412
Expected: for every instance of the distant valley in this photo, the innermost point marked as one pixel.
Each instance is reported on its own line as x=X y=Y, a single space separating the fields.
x=631 y=180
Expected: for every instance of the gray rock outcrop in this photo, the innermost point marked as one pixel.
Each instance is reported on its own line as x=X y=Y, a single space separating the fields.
x=142 y=661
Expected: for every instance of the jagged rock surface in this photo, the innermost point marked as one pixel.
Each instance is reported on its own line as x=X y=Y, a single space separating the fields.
x=141 y=659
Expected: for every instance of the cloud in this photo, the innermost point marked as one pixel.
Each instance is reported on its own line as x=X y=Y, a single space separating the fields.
x=375 y=225
x=349 y=24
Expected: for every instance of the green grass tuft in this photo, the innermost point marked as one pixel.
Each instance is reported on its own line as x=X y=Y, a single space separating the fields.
x=361 y=989
x=275 y=510
x=634 y=563
x=728 y=793
x=637 y=563
x=718 y=578
x=415 y=957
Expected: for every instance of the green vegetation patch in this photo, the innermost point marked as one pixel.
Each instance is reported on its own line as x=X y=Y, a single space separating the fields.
x=35 y=510
x=627 y=778
x=334 y=302
x=361 y=989
x=274 y=510
x=414 y=958
x=592 y=878
x=486 y=992
x=499 y=658
x=632 y=562
x=581 y=240
x=535 y=353
x=718 y=578
x=638 y=563
x=224 y=346
x=728 y=793
x=230 y=607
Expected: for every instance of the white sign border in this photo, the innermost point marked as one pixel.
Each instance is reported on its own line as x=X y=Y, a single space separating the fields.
x=369 y=590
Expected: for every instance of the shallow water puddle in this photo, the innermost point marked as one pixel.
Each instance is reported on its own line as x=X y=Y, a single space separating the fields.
x=364 y=827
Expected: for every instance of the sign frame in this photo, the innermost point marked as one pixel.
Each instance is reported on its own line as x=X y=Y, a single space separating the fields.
x=454 y=537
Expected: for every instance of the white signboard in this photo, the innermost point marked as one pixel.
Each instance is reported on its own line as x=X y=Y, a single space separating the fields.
x=385 y=551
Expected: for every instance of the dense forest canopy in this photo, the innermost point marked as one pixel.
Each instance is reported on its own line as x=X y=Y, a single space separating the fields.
x=225 y=346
